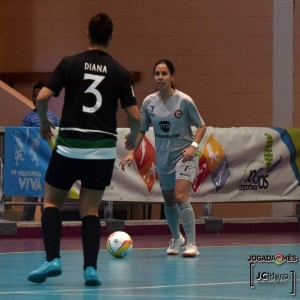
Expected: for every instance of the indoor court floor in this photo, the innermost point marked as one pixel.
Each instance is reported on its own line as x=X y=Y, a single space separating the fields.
x=221 y=271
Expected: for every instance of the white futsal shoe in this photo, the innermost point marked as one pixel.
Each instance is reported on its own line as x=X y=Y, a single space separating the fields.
x=175 y=245
x=190 y=251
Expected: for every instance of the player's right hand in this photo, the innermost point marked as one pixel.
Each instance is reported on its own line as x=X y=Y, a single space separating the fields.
x=45 y=130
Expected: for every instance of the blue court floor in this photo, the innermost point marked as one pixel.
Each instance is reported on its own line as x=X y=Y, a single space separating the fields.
x=220 y=272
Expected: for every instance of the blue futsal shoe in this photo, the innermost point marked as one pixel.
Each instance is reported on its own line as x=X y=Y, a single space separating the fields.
x=47 y=269
x=91 y=277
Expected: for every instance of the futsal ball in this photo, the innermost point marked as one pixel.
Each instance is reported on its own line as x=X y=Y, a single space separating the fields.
x=119 y=244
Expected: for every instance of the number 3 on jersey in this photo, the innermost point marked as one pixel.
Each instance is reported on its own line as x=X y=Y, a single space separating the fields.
x=93 y=90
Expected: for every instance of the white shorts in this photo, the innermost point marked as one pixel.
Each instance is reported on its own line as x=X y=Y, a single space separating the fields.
x=183 y=170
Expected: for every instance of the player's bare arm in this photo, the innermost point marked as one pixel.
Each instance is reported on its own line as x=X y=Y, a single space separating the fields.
x=134 y=120
x=42 y=107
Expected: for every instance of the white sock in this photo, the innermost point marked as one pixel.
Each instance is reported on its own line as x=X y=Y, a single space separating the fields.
x=188 y=222
x=173 y=217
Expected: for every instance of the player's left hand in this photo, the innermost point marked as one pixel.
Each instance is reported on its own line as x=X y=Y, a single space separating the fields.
x=127 y=160
x=188 y=153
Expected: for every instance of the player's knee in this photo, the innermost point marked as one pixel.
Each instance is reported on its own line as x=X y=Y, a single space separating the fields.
x=181 y=196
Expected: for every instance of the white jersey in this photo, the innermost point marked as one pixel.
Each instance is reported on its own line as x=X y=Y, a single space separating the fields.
x=172 y=123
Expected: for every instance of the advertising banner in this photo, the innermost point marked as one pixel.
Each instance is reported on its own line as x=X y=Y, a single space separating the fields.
x=26 y=157
x=235 y=165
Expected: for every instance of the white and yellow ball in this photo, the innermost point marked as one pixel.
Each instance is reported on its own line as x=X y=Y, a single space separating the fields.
x=119 y=244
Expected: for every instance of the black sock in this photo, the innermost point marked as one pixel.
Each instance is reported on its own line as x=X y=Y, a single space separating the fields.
x=90 y=235
x=51 y=228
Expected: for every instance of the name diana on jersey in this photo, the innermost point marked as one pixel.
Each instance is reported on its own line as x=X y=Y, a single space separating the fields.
x=95 y=68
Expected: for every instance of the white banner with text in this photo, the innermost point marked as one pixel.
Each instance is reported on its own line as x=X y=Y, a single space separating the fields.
x=235 y=165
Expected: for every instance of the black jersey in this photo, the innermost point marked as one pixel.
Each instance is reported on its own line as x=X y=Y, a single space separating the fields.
x=94 y=82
